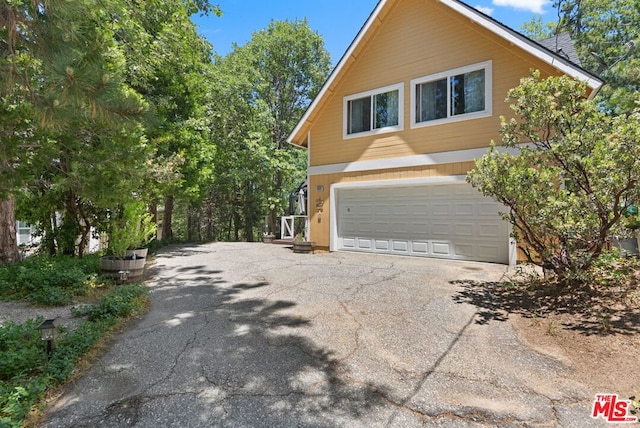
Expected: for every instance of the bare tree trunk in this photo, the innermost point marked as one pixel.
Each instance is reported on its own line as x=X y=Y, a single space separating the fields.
x=193 y=224
x=209 y=220
x=153 y=210
x=9 y=252
x=167 y=231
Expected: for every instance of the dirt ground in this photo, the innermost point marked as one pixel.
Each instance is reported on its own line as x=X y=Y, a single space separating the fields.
x=607 y=362
x=595 y=331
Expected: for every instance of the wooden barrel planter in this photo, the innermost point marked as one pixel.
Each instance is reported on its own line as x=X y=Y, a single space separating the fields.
x=118 y=268
x=268 y=239
x=303 y=247
x=140 y=253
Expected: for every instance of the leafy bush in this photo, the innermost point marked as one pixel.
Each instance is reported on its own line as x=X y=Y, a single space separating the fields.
x=25 y=374
x=20 y=349
x=120 y=303
x=567 y=190
x=48 y=281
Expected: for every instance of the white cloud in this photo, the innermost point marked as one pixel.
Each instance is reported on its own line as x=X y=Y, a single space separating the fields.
x=535 y=6
x=485 y=10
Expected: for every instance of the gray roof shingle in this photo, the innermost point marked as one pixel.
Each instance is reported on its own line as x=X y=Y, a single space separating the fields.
x=561 y=44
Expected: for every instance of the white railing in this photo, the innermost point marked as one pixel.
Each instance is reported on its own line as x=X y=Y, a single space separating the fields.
x=287 y=226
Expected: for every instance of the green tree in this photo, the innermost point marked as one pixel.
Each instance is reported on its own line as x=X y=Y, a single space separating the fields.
x=569 y=185
x=537 y=29
x=62 y=61
x=169 y=63
x=282 y=67
x=72 y=74
x=605 y=34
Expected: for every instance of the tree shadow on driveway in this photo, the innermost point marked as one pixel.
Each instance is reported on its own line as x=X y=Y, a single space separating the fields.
x=242 y=360
x=600 y=312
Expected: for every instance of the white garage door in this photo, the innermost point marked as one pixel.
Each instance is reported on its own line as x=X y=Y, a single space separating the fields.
x=452 y=221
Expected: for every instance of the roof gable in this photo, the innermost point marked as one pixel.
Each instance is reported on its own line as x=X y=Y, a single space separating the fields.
x=549 y=55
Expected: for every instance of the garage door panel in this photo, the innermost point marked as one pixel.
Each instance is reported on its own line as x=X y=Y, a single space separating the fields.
x=447 y=221
x=463 y=209
x=489 y=252
x=364 y=244
x=440 y=209
x=420 y=248
x=382 y=245
x=464 y=250
x=489 y=209
x=442 y=249
x=465 y=230
x=348 y=243
x=401 y=246
x=492 y=231
x=441 y=229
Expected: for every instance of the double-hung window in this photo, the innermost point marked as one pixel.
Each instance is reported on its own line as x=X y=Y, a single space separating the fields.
x=374 y=112
x=459 y=94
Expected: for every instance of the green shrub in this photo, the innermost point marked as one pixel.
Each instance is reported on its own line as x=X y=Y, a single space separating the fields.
x=25 y=373
x=121 y=302
x=20 y=349
x=48 y=281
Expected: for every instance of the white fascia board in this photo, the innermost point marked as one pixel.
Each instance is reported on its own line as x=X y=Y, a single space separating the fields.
x=338 y=68
x=525 y=44
x=407 y=161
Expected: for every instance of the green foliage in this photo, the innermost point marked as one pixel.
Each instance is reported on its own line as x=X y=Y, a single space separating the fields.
x=49 y=281
x=25 y=374
x=260 y=91
x=536 y=29
x=607 y=29
x=121 y=302
x=20 y=348
x=568 y=187
x=131 y=227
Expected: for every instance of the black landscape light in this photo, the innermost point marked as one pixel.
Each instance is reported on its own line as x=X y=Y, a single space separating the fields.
x=47 y=330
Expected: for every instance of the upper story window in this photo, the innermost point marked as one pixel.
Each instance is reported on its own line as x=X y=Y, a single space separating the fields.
x=459 y=94
x=373 y=112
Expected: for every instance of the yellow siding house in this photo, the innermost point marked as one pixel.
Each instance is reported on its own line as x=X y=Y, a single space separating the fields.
x=392 y=134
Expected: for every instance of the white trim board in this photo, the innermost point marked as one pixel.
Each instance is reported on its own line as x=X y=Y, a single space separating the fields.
x=406 y=161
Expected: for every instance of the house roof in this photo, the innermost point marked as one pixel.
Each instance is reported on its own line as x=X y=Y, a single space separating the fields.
x=557 y=51
x=562 y=45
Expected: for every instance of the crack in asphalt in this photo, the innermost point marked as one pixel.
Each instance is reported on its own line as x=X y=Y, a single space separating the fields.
x=429 y=372
x=356 y=333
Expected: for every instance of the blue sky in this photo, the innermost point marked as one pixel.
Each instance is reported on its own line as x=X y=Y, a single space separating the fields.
x=338 y=21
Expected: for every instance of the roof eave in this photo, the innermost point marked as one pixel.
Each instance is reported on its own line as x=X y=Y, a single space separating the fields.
x=479 y=18
x=336 y=71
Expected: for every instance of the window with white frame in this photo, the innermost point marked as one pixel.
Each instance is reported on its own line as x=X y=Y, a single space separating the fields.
x=458 y=94
x=373 y=112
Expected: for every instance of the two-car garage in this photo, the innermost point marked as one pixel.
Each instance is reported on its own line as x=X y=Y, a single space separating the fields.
x=444 y=220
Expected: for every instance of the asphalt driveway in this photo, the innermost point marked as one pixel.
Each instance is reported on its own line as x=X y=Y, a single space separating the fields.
x=252 y=335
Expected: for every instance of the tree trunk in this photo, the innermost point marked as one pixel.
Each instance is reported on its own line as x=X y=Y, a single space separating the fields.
x=167 y=231
x=209 y=220
x=9 y=252
x=193 y=224
x=153 y=210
